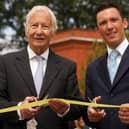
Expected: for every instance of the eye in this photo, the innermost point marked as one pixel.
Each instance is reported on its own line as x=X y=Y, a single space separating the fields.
x=33 y=26
x=45 y=27
x=114 y=19
x=102 y=23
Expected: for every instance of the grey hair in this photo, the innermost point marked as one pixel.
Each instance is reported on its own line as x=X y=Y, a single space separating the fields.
x=42 y=8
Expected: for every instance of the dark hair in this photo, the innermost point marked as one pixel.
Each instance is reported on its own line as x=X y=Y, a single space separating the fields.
x=107 y=5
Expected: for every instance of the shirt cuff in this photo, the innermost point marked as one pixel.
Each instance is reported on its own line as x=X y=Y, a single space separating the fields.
x=18 y=112
x=63 y=114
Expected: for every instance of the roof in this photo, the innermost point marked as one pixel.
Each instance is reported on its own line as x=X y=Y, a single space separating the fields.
x=77 y=34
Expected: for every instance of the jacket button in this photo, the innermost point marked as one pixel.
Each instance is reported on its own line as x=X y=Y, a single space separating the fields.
x=112 y=95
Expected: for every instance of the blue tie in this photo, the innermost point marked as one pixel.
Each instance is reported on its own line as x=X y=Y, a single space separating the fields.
x=38 y=78
x=113 y=65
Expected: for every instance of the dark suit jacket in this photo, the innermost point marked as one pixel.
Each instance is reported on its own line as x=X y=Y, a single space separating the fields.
x=98 y=84
x=16 y=82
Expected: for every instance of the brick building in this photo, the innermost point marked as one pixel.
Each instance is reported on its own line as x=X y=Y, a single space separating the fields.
x=75 y=44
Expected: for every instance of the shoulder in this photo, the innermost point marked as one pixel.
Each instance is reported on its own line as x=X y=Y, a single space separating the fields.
x=62 y=59
x=15 y=53
x=65 y=60
x=97 y=61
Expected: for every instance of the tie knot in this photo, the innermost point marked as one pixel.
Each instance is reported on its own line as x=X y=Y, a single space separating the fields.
x=39 y=58
x=114 y=54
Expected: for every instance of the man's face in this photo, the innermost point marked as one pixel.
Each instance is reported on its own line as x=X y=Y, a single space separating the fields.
x=39 y=31
x=111 y=26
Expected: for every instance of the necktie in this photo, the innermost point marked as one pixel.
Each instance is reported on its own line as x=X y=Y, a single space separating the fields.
x=39 y=74
x=113 y=65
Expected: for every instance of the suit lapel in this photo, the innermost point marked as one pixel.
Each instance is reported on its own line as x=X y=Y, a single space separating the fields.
x=124 y=65
x=23 y=67
x=103 y=73
x=51 y=72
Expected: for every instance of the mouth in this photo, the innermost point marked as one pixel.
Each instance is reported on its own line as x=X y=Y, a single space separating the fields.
x=111 y=34
x=39 y=39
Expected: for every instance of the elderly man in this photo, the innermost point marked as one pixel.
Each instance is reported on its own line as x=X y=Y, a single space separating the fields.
x=35 y=73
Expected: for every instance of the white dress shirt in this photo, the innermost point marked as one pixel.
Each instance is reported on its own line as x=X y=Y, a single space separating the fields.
x=34 y=63
x=121 y=49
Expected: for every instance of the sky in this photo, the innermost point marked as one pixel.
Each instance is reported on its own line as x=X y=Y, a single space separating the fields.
x=9 y=32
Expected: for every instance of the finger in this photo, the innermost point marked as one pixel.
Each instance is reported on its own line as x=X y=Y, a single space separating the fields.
x=58 y=106
x=31 y=99
x=126 y=114
x=97 y=99
x=124 y=119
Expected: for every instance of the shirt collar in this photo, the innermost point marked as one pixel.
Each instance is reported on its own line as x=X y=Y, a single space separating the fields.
x=121 y=48
x=32 y=54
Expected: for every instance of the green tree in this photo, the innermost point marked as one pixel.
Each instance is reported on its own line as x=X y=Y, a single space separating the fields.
x=70 y=14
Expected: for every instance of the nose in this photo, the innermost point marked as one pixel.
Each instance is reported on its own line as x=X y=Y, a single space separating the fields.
x=39 y=30
x=109 y=25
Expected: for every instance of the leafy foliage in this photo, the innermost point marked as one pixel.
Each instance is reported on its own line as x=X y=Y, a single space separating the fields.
x=70 y=14
x=98 y=50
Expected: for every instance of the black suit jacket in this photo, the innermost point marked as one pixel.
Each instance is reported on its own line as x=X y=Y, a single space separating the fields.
x=16 y=82
x=98 y=84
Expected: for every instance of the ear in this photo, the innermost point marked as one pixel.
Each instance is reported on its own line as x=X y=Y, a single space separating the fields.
x=97 y=30
x=26 y=30
x=125 y=22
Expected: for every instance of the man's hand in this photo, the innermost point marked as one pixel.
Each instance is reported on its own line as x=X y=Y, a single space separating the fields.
x=94 y=114
x=124 y=113
x=29 y=113
x=58 y=106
